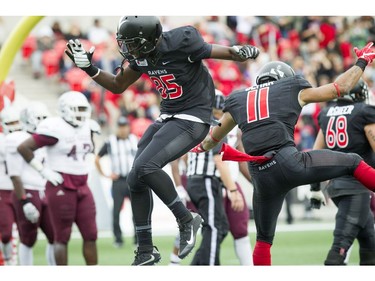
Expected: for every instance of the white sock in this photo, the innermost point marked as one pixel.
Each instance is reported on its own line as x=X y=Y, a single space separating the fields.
x=243 y=250
x=50 y=255
x=7 y=252
x=346 y=261
x=175 y=260
x=25 y=255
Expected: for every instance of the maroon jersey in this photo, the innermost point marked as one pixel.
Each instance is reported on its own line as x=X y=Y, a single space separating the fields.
x=184 y=83
x=267 y=114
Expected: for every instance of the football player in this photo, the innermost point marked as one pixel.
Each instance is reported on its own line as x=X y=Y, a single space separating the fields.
x=267 y=114
x=28 y=197
x=348 y=125
x=10 y=121
x=173 y=61
x=68 y=140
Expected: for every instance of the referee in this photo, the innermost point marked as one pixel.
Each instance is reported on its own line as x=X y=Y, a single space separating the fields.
x=206 y=175
x=121 y=149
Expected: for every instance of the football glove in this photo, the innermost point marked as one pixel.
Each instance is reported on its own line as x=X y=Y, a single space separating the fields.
x=53 y=177
x=198 y=149
x=317 y=199
x=182 y=193
x=367 y=53
x=31 y=212
x=247 y=52
x=78 y=54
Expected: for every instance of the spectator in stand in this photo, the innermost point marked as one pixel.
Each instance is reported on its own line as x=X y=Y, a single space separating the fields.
x=45 y=41
x=97 y=34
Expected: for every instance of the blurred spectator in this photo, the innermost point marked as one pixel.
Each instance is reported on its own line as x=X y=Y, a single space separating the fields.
x=45 y=41
x=75 y=32
x=97 y=34
x=57 y=31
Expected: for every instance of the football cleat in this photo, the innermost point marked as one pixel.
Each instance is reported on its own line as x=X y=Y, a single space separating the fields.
x=188 y=233
x=147 y=258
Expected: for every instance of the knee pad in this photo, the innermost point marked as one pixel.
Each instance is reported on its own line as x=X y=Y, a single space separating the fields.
x=334 y=258
x=366 y=257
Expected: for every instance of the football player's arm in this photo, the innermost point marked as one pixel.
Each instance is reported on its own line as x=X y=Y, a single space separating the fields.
x=370 y=134
x=118 y=83
x=244 y=169
x=26 y=149
x=319 y=141
x=235 y=197
x=235 y=53
x=344 y=83
x=217 y=133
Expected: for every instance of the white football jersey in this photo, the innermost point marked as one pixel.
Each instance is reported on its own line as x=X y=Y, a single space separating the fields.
x=17 y=166
x=232 y=140
x=68 y=155
x=5 y=182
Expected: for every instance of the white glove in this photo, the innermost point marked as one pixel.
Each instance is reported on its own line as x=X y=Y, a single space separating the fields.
x=78 y=54
x=182 y=193
x=31 y=212
x=54 y=177
x=317 y=199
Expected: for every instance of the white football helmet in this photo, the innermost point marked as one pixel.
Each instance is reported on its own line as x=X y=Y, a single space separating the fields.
x=32 y=115
x=74 y=108
x=10 y=120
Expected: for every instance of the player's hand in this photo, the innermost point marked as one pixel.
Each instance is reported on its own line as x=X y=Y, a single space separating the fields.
x=182 y=193
x=53 y=177
x=31 y=212
x=248 y=52
x=236 y=200
x=198 y=149
x=317 y=199
x=78 y=54
x=367 y=53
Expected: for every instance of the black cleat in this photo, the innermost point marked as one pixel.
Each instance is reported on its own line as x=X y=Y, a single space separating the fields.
x=147 y=258
x=188 y=233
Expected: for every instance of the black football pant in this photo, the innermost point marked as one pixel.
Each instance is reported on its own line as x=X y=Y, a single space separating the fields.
x=120 y=191
x=162 y=143
x=288 y=169
x=206 y=195
x=354 y=220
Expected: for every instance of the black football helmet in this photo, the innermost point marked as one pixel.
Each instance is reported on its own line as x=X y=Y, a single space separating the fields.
x=273 y=71
x=137 y=36
x=359 y=93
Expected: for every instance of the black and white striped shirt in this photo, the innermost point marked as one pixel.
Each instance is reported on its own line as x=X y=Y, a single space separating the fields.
x=203 y=164
x=121 y=153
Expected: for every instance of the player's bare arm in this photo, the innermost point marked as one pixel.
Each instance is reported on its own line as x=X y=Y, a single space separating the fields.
x=117 y=84
x=370 y=134
x=344 y=83
x=26 y=149
x=235 y=53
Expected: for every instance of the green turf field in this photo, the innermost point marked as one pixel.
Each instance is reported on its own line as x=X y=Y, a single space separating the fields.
x=290 y=248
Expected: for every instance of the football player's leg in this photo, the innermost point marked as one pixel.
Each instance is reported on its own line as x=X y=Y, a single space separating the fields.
x=86 y=223
x=62 y=210
x=27 y=231
x=366 y=241
x=7 y=217
x=238 y=223
x=46 y=226
x=266 y=212
x=118 y=199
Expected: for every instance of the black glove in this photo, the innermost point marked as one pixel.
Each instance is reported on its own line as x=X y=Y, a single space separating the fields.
x=248 y=52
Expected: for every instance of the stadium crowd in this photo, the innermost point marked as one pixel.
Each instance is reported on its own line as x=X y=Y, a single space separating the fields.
x=316 y=47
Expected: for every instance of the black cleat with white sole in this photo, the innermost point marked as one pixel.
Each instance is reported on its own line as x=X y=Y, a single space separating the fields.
x=188 y=233
x=147 y=257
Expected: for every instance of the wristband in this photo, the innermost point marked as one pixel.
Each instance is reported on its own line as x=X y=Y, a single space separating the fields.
x=234 y=190
x=36 y=164
x=214 y=139
x=337 y=89
x=24 y=200
x=362 y=63
x=92 y=71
